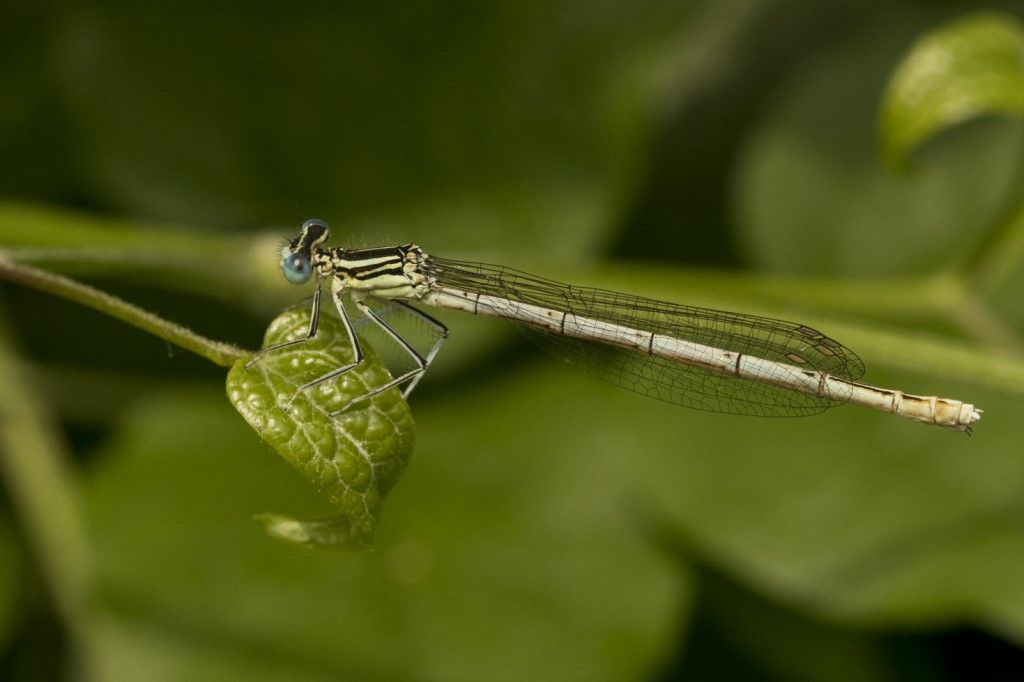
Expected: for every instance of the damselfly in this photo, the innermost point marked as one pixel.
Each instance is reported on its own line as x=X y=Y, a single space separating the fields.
x=695 y=357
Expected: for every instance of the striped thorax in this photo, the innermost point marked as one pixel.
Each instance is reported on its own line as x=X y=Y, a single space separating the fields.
x=390 y=272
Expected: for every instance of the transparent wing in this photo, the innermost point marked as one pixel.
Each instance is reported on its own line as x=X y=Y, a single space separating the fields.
x=680 y=383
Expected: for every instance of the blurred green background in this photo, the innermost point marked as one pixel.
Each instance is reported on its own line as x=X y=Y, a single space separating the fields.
x=724 y=153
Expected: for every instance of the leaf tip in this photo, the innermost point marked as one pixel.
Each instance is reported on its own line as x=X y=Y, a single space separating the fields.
x=336 y=532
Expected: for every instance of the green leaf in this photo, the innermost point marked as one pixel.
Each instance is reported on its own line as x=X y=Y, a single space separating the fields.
x=813 y=198
x=971 y=67
x=354 y=458
x=511 y=549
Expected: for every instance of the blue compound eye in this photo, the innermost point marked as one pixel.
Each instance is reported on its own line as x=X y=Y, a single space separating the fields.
x=296 y=267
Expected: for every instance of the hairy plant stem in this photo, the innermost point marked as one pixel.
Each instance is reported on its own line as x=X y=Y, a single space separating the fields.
x=219 y=353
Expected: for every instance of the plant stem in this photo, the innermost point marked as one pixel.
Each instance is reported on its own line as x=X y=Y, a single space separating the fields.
x=222 y=354
x=45 y=495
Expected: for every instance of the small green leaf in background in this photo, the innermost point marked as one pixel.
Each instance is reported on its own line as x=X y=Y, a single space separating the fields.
x=355 y=457
x=973 y=66
x=813 y=198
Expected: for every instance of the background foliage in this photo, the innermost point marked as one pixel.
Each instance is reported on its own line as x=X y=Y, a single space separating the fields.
x=722 y=153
